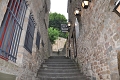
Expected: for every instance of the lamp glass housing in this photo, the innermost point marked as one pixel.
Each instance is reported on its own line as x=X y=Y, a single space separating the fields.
x=85 y=4
x=117 y=9
x=77 y=12
x=69 y=24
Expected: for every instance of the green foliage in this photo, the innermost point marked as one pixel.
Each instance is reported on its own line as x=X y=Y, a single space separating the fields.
x=55 y=20
x=64 y=35
x=53 y=34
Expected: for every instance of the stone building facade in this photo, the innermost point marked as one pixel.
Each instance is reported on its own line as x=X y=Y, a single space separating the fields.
x=24 y=42
x=98 y=44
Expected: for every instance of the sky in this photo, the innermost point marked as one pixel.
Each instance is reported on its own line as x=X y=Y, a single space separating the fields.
x=59 y=6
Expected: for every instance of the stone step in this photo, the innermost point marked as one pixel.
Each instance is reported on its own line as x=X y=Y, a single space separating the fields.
x=59 y=65
x=58 y=60
x=60 y=70
x=63 y=78
x=58 y=74
x=58 y=57
x=71 y=62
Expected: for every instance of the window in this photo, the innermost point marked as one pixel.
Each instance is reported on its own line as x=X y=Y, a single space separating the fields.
x=29 y=34
x=11 y=28
x=38 y=40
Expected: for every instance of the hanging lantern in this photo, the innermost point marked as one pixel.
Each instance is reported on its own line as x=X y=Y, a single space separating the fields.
x=69 y=24
x=117 y=8
x=77 y=12
x=85 y=4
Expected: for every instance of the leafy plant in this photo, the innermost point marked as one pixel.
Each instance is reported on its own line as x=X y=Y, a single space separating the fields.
x=53 y=34
x=55 y=20
x=64 y=35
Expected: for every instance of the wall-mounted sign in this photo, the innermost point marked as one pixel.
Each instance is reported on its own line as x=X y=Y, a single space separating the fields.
x=64 y=28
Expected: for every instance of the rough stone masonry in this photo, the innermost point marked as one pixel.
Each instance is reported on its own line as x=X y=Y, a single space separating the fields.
x=27 y=64
x=98 y=44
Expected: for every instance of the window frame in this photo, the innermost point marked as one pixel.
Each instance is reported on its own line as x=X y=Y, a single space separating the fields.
x=38 y=40
x=29 y=35
x=11 y=29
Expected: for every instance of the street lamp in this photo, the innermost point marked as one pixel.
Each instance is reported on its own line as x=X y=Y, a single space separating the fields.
x=69 y=24
x=77 y=12
x=117 y=8
x=85 y=3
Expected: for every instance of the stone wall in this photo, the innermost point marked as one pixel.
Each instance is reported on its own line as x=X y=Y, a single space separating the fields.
x=59 y=44
x=99 y=40
x=3 y=8
x=27 y=64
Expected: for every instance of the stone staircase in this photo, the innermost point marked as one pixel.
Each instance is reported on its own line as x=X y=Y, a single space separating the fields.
x=59 y=68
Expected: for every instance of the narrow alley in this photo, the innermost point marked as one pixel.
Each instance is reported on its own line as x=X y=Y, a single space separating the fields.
x=87 y=46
